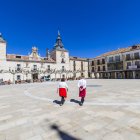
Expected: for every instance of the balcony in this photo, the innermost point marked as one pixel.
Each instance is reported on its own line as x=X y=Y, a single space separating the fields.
x=114 y=61
x=128 y=58
x=136 y=57
x=132 y=58
x=115 y=68
x=103 y=62
x=133 y=67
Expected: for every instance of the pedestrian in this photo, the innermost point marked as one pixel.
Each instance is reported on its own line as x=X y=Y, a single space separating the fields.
x=82 y=89
x=62 y=90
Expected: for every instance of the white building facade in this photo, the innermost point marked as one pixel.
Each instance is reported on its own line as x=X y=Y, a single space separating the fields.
x=32 y=67
x=123 y=63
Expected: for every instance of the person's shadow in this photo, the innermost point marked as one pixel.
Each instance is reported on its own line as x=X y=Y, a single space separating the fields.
x=57 y=102
x=75 y=101
x=63 y=135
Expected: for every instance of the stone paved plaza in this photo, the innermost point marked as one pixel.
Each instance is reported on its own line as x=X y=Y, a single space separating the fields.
x=32 y=112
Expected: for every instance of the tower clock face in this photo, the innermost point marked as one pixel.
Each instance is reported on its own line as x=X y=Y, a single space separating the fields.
x=63 y=55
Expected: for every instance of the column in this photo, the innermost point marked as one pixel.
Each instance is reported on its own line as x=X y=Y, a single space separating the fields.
x=115 y=75
x=13 y=78
x=134 y=74
x=108 y=75
x=123 y=75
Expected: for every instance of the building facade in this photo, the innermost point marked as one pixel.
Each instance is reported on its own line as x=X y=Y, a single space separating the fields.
x=119 y=64
x=57 y=64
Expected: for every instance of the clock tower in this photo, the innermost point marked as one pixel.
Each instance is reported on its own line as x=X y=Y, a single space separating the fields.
x=59 y=53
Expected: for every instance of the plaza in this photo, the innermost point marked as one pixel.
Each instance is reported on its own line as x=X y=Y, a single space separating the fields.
x=31 y=111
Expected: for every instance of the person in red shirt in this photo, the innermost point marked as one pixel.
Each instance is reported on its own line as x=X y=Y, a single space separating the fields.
x=62 y=90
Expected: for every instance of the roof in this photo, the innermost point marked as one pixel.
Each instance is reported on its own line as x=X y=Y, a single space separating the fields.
x=58 y=44
x=78 y=58
x=14 y=57
x=1 y=39
x=121 y=50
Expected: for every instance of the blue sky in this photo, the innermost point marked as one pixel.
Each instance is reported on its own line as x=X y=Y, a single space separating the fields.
x=88 y=27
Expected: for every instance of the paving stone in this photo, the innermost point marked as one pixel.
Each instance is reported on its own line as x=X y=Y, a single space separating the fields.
x=111 y=111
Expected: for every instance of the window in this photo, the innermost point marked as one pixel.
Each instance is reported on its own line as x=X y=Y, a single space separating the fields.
x=110 y=59
x=49 y=68
x=98 y=68
x=18 y=56
x=63 y=61
x=63 y=68
x=92 y=69
x=92 y=63
x=137 y=63
x=103 y=68
x=128 y=57
x=18 y=77
x=98 y=62
x=34 y=67
x=103 y=61
x=136 y=55
x=18 y=67
x=27 y=64
x=128 y=64
x=117 y=58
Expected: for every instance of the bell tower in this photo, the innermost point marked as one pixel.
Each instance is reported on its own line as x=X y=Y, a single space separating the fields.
x=2 y=48
x=59 y=53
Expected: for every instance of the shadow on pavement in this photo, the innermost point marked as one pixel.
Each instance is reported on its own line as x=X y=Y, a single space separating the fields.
x=63 y=135
x=57 y=102
x=75 y=101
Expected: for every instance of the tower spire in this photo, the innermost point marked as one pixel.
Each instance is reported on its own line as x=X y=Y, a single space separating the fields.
x=58 y=33
x=58 y=44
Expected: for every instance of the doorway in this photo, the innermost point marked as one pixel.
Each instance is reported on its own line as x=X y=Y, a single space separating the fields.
x=35 y=76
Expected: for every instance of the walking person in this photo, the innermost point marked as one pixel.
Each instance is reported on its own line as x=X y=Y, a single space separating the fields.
x=62 y=90
x=82 y=89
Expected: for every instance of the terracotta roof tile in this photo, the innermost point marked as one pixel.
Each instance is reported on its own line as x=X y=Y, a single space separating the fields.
x=14 y=57
x=122 y=50
x=77 y=58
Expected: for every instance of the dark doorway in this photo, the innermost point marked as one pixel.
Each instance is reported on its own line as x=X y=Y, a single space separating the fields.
x=35 y=76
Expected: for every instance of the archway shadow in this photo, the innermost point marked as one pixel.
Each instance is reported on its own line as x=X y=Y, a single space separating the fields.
x=74 y=101
x=63 y=135
x=57 y=102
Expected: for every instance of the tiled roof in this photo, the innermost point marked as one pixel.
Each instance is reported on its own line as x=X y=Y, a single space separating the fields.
x=14 y=57
x=122 y=50
x=78 y=58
